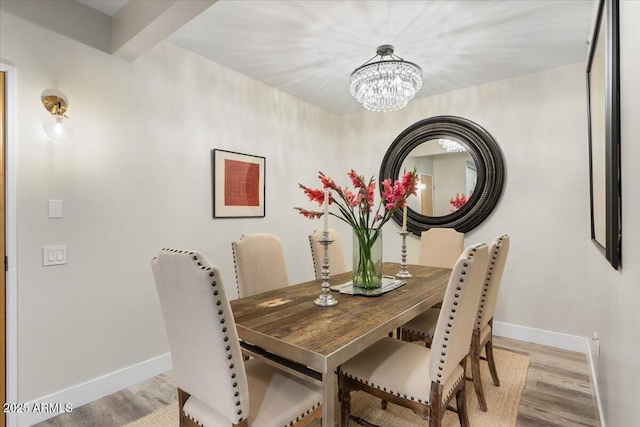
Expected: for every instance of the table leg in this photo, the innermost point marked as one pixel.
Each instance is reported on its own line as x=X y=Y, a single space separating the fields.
x=328 y=400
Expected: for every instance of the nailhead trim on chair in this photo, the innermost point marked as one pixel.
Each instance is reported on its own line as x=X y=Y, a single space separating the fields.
x=220 y=313
x=421 y=333
x=235 y=265
x=194 y=420
x=452 y=317
x=487 y=282
x=404 y=396
x=313 y=257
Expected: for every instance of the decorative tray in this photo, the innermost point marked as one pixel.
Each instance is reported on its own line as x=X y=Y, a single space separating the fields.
x=388 y=284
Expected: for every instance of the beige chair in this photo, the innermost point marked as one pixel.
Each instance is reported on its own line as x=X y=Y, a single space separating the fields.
x=422 y=379
x=259 y=263
x=423 y=327
x=440 y=247
x=336 y=255
x=215 y=388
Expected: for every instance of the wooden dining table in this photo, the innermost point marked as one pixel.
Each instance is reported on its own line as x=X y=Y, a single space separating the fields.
x=285 y=328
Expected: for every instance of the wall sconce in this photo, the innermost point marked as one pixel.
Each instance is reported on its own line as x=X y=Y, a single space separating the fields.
x=56 y=125
x=421 y=185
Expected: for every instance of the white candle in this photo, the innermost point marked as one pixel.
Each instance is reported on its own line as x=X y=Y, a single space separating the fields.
x=404 y=218
x=326 y=209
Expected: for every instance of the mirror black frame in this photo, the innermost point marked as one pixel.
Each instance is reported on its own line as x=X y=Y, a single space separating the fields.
x=485 y=152
x=608 y=10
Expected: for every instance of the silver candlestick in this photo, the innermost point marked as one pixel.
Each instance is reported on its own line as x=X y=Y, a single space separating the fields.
x=325 y=299
x=403 y=273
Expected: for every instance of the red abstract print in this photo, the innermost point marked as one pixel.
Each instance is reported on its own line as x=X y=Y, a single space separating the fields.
x=241 y=183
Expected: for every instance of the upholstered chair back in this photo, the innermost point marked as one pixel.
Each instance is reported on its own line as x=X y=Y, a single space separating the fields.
x=260 y=265
x=452 y=336
x=207 y=362
x=336 y=255
x=497 y=259
x=440 y=247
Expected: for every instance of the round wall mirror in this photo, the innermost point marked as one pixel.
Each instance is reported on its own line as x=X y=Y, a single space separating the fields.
x=460 y=173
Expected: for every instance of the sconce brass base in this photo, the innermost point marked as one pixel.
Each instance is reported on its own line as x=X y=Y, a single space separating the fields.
x=55 y=105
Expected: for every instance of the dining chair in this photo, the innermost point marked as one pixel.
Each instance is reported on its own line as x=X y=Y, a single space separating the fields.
x=215 y=387
x=259 y=264
x=440 y=247
x=423 y=327
x=336 y=255
x=420 y=378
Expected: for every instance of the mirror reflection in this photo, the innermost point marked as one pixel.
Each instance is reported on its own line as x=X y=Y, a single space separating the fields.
x=447 y=176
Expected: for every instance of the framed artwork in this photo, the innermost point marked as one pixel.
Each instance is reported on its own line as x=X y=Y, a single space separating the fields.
x=603 y=90
x=238 y=185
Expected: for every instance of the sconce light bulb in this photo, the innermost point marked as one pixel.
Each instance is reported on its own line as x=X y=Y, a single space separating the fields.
x=58 y=129
x=57 y=126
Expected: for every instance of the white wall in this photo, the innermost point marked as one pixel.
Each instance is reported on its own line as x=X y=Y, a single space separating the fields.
x=136 y=177
x=616 y=294
x=539 y=121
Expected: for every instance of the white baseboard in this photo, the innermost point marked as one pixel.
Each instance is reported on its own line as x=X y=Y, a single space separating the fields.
x=542 y=337
x=96 y=388
x=594 y=380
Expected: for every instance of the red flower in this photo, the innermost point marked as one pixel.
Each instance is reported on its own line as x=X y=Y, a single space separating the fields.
x=351 y=198
x=394 y=197
x=357 y=181
x=310 y=214
x=458 y=202
x=315 y=195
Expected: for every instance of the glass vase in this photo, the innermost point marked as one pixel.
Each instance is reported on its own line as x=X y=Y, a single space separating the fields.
x=367 y=258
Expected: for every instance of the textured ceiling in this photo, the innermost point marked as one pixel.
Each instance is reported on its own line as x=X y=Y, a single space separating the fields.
x=309 y=48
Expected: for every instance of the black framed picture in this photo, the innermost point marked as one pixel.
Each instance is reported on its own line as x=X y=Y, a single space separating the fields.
x=238 y=185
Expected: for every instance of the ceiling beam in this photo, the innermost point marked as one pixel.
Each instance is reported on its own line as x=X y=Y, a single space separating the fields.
x=66 y=17
x=139 y=25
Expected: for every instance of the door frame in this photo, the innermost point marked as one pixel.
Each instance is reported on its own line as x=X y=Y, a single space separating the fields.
x=11 y=237
x=433 y=207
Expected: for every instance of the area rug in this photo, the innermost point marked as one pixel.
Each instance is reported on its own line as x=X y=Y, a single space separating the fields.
x=503 y=402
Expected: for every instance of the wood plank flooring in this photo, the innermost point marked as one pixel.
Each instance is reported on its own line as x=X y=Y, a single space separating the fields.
x=558 y=393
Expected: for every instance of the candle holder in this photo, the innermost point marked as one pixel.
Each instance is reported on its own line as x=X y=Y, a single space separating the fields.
x=325 y=299
x=403 y=273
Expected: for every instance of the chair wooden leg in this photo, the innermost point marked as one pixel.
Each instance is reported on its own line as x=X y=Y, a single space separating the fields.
x=461 y=404
x=475 y=369
x=436 y=411
x=344 y=396
x=182 y=398
x=492 y=363
x=383 y=405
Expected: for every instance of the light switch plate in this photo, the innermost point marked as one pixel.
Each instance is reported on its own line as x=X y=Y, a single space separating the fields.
x=55 y=208
x=54 y=255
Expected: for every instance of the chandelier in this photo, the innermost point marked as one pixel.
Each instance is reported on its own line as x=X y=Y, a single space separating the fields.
x=387 y=84
x=451 y=146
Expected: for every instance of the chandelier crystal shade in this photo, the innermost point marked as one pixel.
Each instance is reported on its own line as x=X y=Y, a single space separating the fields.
x=387 y=84
x=451 y=146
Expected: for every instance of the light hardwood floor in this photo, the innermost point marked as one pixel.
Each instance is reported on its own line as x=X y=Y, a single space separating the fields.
x=558 y=393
